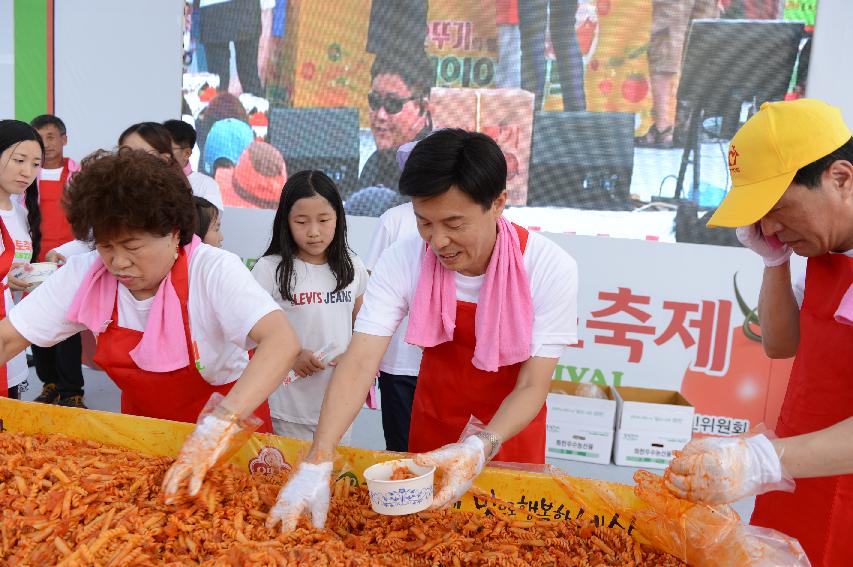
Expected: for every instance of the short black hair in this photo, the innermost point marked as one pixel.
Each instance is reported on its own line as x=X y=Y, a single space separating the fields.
x=413 y=67
x=43 y=120
x=182 y=133
x=809 y=175
x=470 y=161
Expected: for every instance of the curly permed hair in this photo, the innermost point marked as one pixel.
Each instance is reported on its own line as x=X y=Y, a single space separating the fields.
x=128 y=190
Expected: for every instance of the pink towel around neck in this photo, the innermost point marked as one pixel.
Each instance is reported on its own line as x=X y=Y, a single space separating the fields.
x=844 y=314
x=503 y=324
x=163 y=347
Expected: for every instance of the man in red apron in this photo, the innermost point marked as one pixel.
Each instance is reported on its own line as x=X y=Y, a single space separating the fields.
x=59 y=367
x=493 y=308
x=792 y=177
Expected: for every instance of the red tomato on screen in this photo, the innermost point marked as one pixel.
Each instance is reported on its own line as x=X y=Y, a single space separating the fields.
x=635 y=88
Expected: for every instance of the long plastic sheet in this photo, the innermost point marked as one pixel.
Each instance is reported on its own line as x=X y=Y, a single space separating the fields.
x=516 y=490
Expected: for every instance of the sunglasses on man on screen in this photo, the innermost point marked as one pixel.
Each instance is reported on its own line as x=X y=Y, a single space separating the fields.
x=391 y=103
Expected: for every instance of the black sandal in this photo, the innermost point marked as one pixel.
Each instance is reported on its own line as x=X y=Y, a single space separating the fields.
x=655 y=138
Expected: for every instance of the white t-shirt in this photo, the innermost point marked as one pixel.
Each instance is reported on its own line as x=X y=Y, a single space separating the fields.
x=73 y=248
x=206 y=187
x=19 y=229
x=800 y=283
x=395 y=224
x=51 y=174
x=319 y=316
x=552 y=273
x=224 y=304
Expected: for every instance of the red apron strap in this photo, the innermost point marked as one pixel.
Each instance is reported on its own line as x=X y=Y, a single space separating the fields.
x=6 y=260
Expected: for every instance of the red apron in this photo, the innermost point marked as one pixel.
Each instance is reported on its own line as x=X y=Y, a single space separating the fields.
x=179 y=395
x=820 y=393
x=450 y=390
x=54 y=224
x=6 y=260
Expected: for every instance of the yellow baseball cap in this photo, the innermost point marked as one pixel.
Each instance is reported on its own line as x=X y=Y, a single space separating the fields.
x=767 y=152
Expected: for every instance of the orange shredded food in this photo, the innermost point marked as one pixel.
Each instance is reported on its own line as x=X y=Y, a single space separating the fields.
x=402 y=472
x=71 y=502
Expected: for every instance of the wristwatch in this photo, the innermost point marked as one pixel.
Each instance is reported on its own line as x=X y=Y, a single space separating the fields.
x=493 y=440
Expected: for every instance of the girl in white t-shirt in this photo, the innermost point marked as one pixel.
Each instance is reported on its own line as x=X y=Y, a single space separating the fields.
x=310 y=271
x=21 y=154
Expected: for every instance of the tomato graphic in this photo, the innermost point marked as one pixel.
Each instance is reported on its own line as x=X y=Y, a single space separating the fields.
x=594 y=65
x=605 y=86
x=307 y=70
x=586 y=33
x=635 y=88
x=749 y=389
x=603 y=7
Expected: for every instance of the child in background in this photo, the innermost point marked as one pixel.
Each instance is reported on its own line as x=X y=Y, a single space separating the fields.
x=310 y=271
x=21 y=156
x=208 y=225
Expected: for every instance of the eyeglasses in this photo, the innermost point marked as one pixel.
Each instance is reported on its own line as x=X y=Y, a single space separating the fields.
x=392 y=104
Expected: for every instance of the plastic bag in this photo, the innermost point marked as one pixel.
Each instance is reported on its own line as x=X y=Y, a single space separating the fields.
x=705 y=536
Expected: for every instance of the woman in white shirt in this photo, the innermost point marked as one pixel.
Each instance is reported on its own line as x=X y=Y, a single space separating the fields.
x=21 y=155
x=174 y=317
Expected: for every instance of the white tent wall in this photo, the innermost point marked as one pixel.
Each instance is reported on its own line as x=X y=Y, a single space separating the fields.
x=7 y=60
x=116 y=63
x=830 y=78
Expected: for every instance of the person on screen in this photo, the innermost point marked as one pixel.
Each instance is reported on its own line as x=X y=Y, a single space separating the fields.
x=257 y=180
x=670 y=22
x=399 y=112
x=237 y=21
x=559 y=17
x=183 y=141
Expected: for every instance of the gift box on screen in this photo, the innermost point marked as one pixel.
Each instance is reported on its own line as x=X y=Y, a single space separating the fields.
x=506 y=115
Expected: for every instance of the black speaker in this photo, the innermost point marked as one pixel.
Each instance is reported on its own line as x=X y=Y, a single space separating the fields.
x=318 y=138
x=581 y=160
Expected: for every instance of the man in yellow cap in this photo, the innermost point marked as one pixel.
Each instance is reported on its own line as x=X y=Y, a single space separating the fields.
x=792 y=191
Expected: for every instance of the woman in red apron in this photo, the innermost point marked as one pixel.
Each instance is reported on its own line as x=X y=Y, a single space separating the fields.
x=173 y=317
x=493 y=308
x=21 y=156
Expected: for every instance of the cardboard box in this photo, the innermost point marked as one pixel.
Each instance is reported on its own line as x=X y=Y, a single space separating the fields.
x=506 y=115
x=579 y=428
x=650 y=425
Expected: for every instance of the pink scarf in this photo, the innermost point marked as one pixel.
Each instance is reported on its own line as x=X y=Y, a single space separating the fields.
x=844 y=314
x=503 y=325
x=163 y=347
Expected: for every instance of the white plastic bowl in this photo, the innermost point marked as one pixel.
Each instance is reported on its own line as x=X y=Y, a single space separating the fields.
x=39 y=272
x=399 y=497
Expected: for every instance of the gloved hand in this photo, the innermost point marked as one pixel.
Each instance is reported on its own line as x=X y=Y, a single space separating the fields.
x=217 y=436
x=771 y=249
x=306 y=491
x=721 y=470
x=460 y=463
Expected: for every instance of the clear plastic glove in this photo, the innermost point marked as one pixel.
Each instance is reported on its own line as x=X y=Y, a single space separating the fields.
x=217 y=436
x=771 y=249
x=722 y=470
x=306 y=492
x=460 y=462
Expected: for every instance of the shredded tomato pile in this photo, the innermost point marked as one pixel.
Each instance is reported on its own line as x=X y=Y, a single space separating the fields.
x=71 y=502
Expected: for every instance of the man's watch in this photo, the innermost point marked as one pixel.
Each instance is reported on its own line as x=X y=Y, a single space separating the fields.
x=493 y=440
